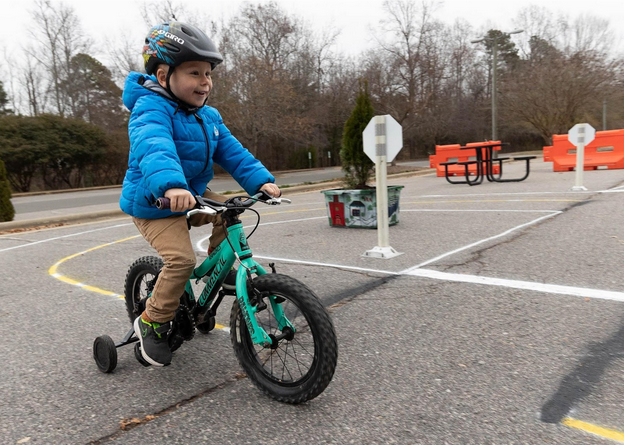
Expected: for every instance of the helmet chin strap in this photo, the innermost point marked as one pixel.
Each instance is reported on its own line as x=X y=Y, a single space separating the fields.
x=168 y=84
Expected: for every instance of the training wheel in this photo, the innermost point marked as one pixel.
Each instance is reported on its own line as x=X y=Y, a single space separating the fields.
x=105 y=353
x=207 y=325
x=139 y=356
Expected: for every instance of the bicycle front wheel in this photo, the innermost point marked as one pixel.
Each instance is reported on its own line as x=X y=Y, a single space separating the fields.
x=298 y=367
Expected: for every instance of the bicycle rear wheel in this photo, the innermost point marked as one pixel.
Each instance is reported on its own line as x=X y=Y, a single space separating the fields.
x=296 y=368
x=140 y=281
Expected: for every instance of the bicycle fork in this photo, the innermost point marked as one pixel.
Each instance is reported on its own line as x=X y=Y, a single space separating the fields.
x=250 y=299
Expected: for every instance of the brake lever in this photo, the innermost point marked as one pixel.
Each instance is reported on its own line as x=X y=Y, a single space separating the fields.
x=204 y=210
x=276 y=201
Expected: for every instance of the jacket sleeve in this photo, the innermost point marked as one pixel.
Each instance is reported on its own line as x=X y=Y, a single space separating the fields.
x=151 y=142
x=230 y=154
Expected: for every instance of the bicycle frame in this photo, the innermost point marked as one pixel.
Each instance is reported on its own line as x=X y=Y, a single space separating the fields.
x=216 y=267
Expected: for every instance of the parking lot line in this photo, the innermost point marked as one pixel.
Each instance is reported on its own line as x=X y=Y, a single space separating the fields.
x=489 y=201
x=594 y=429
x=518 y=284
x=485 y=240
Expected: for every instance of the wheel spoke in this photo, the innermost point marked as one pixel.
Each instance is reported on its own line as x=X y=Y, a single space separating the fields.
x=287 y=356
x=298 y=366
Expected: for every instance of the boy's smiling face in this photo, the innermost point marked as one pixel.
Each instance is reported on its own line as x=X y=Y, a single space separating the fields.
x=190 y=81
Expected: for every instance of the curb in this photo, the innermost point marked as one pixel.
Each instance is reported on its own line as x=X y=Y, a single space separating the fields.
x=59 y=220
x=109 y=214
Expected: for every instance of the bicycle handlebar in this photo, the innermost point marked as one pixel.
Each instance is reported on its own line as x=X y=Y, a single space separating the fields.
x=236 y=202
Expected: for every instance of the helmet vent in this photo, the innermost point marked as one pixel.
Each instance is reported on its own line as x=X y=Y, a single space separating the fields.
x=188 y=31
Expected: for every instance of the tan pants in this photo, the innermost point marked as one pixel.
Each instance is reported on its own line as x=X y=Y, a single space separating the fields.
x=171 y=239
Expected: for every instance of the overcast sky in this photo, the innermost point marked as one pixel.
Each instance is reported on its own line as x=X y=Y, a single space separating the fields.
x=101 y=19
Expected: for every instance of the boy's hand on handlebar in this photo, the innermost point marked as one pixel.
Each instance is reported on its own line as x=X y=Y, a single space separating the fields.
x=181 y=199
x=271 y=189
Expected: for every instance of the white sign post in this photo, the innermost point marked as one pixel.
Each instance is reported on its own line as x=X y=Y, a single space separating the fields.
x=580 y=135
x=383 y=139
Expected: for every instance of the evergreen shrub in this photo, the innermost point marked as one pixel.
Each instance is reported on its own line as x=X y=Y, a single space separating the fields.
x=7 y=211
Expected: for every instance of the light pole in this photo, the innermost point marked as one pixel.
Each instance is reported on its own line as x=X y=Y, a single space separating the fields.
x=494 y=41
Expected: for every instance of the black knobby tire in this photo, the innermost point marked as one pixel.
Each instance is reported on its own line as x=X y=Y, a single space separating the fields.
x=140 y=281
x=105 y=353
x=300 y=368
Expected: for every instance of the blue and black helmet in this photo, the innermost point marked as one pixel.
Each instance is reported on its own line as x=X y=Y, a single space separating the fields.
x=174 y=43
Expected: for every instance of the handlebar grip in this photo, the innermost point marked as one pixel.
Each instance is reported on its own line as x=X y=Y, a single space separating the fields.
x=163 y=203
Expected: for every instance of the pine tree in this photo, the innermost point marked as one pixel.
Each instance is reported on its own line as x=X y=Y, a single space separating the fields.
x=7 y=212
x=355 y=163
x=4 y=101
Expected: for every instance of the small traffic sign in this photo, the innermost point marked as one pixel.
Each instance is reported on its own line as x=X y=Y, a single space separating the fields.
x=581 y=134
x=383 y=140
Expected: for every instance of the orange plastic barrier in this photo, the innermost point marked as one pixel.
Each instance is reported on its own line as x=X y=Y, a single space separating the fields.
x=452 y=153
x=605 y=151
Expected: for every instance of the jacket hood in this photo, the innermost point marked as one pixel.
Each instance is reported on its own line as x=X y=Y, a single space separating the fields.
x=138 y=85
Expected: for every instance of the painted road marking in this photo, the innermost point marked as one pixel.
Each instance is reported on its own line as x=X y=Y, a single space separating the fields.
x=596 y=430
x=514 y=194
x=200 y=244
x=472 y=201
x=518 y=284
x=473 y=279
x=485 y=240
x=480 y=211
x=47 y=240
x=419 y=272
x=415 y=271
x=52 y=271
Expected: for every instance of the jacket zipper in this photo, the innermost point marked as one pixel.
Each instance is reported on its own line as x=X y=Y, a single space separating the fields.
x=201 y=122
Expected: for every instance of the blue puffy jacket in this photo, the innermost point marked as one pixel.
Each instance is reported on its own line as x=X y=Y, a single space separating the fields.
x=171 y=148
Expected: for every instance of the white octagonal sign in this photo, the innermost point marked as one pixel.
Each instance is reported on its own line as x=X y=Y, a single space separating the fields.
x=581 y=134
x=376 y=143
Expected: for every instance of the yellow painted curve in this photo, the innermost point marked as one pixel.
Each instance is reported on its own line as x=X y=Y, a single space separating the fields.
x=53 y=272
x=594 y=429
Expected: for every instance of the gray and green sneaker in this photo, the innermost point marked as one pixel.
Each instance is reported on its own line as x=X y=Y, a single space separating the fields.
x=153 y=338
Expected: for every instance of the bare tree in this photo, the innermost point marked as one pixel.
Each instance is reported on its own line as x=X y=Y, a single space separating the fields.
x=259 y=88
x=125 y=56
x=555 y=92
x=564 y=76
x=14 y=94
x=33 y=83
x=58 y=37
x=414 y=67
x=536 y=21
x=161 y=11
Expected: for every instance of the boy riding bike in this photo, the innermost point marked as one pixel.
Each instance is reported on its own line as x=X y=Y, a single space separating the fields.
x=174 y=140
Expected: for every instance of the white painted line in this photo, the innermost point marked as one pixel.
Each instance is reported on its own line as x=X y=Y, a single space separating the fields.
x=64 y=236
x=335 y=266
x=476 y=210
x=288 y=221
x=475 y=279
x=563 y=192
x=503 y=194
x=200 y=244
x=516 y=284
x=500 y=235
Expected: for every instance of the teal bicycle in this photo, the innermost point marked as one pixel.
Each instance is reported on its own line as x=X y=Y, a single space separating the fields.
x=282 y=335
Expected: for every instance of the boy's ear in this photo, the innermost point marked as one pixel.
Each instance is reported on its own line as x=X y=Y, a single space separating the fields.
x=161 y=75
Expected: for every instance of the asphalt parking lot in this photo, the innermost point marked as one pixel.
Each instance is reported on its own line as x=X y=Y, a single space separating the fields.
x=501 y=322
